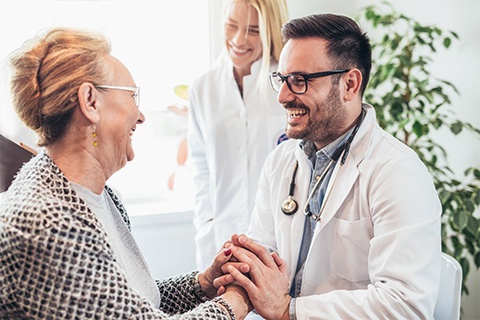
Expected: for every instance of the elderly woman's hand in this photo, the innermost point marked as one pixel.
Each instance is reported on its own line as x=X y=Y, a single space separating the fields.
x=216 y=270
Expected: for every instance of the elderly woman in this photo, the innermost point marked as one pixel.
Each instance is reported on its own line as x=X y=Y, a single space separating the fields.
x=66 y=250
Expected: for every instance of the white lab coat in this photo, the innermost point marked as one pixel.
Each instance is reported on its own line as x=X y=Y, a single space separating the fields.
x=376 y=252
x=228 y=141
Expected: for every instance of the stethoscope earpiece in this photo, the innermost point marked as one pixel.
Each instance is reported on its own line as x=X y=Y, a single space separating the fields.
x=289 y=206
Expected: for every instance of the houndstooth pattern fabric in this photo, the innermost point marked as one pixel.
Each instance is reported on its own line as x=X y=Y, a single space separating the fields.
x=56 y=261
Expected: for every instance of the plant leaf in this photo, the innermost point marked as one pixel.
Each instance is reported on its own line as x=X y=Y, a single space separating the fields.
x=477 y=260
x=460 y=219
x=447 y=42
x=456 y=127
x=465 y=266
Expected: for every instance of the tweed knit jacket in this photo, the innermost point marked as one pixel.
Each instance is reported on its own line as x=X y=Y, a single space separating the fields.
x=56 y=261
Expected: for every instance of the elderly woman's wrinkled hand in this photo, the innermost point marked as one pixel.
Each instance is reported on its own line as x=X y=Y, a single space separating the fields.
x=216 y=277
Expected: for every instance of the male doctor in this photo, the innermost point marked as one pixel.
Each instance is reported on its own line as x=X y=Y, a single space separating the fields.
x=362 y=239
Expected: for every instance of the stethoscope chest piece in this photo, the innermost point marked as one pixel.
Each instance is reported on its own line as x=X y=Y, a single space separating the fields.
x=289 y=206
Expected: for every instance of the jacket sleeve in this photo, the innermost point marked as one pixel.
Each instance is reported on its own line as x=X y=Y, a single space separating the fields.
x=197 y=153
x=262 y=223
x=57 y=263
x=63 y=274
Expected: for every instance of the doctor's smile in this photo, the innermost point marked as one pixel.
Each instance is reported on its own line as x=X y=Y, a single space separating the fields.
x=295 y=114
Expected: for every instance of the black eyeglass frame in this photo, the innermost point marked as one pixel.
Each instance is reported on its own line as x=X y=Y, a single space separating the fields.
x=306 y=77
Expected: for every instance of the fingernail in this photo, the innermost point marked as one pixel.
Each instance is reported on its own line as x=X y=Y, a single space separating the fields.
x=241 y=239
x=227 y=252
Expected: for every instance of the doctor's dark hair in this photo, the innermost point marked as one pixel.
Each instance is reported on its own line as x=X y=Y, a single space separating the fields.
x=349 y=47
x=47 y=72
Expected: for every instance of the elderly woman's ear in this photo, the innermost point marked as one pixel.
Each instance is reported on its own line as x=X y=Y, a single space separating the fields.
x=88 y=99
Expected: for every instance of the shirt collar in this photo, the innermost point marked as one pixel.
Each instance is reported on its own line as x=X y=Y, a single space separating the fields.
x=311 y=151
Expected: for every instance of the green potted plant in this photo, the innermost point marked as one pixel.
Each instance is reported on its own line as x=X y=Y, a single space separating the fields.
x=411 y=103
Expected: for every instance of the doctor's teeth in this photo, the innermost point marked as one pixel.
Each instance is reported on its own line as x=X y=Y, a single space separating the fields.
x=296 y=113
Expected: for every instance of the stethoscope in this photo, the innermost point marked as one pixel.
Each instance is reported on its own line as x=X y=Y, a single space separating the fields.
x=290 y=206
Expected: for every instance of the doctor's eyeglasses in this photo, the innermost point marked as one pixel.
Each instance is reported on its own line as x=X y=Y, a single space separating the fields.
x=298 y=82
x=135 y=90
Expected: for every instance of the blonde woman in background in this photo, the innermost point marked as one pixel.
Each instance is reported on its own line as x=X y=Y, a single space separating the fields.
x=234 y=122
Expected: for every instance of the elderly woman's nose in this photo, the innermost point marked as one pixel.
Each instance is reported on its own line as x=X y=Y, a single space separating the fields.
x=141 y=118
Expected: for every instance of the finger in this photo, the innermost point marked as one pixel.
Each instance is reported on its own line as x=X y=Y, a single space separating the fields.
x=223 y=280
x=227 y=244
x=257 y=249
x=257 y=268
x=215 y=270
x=222 y=256
x=221 y=291
x=282 y=264
x=243 y=281
x=234 y=239
x=244 y=255
x=233 y=259
x=240 y=266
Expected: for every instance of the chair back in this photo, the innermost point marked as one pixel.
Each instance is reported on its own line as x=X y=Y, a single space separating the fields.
x=449 y=295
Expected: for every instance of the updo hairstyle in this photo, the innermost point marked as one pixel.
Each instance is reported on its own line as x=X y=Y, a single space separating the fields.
x=47 y=72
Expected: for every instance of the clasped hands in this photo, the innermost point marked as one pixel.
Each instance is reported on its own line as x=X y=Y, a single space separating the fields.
x=248 y=267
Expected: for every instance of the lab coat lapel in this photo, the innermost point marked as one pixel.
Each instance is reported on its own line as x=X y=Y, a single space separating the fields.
x=338 y=189
x=348 y=174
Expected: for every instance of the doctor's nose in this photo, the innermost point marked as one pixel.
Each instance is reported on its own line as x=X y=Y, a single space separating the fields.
x=285 y=94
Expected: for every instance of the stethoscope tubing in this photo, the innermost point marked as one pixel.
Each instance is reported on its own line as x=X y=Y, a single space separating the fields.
x=290 y=206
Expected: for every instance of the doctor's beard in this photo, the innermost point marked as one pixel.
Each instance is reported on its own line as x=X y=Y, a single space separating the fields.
x=325 y=120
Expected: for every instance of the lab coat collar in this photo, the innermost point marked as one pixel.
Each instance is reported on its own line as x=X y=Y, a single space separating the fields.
x=254 y=70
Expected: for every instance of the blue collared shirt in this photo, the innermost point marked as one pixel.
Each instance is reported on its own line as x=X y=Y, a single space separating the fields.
x=319 y=161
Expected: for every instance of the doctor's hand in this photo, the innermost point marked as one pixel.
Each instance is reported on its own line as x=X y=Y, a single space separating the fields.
x=267 y=285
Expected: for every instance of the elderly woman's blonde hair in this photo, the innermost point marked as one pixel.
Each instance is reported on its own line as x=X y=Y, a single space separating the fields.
x=47 y=72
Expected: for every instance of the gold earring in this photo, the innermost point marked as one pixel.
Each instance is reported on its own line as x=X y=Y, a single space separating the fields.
x=94 y=136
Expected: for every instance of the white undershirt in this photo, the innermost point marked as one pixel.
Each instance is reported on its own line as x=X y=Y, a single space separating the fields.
x=123 y=244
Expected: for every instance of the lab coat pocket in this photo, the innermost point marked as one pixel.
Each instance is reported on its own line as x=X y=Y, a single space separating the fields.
x=351 y=248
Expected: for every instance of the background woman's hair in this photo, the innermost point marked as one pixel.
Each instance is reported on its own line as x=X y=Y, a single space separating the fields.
x=272 y=14
x=348 y=46
x=47 y=72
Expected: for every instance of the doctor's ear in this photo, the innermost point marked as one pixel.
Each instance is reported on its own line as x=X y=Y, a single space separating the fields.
x=353 y=82
x=89 y=99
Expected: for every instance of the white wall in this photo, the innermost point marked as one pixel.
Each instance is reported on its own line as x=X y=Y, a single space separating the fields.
x=166 y=241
